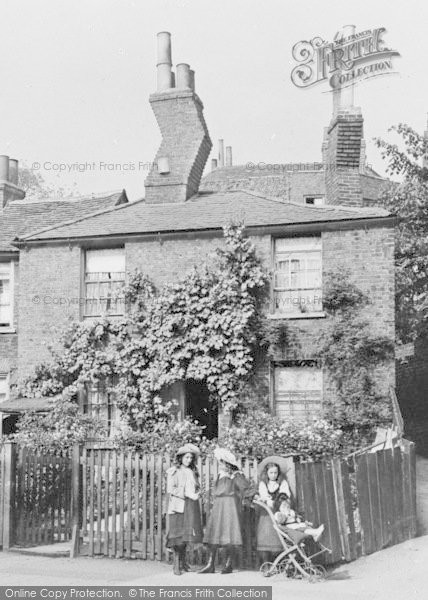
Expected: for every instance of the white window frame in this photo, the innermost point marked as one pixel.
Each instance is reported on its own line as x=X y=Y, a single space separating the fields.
x=311 y=398
x=301 y=300
x=114 y=278
x=10 y=327
x=100 y=397
x=5 y=377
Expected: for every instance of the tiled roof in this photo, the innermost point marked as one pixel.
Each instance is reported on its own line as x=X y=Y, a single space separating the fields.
x=205 y=211
x=23 y=216
x=291 y=181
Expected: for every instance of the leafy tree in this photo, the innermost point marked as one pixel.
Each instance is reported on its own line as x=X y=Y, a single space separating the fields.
x=36 y=188
x=409 y=200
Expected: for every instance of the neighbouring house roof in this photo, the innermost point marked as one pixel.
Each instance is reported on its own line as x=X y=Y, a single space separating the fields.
x=19 y=405
x=20 y=217
x=289 y=181
x=202 y=212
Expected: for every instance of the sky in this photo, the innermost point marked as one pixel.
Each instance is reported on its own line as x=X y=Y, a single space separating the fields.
x=76 y=77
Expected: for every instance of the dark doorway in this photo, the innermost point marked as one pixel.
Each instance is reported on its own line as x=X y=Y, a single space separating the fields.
x=9 y=424
x=200 y=408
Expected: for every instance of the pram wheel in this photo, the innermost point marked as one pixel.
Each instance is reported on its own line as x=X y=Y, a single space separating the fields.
x=316 y=573
x=267 y=569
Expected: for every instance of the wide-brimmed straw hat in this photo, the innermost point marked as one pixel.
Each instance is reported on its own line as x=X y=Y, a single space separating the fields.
x=226 y=456
x=188 y=448
x=283 y=464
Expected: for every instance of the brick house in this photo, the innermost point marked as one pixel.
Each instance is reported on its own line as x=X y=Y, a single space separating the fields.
x=305 y=221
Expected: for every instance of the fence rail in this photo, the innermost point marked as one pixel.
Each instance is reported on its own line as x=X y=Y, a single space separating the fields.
x=114 y=503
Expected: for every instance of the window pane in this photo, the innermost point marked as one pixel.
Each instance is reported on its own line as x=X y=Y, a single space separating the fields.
x=297 y=268
x=104 y=277
x=4 y=388
x=298 y=392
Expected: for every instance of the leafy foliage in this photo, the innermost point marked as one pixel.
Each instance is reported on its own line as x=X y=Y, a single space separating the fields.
x=409 y=200
x=203 y=327
x=59 y=429
x=351 y=352
x=261 y=434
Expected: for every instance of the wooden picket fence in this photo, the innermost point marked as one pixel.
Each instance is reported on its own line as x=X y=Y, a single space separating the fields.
x=35 y=502
x=367 y=502
x=114 y=503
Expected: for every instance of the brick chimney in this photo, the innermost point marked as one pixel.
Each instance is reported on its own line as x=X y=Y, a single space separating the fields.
x=9 y=189
x=343 y=147
x=186 y=143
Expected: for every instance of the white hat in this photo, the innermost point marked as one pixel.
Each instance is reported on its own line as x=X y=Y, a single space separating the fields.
x=188 y=448
x=226 y=456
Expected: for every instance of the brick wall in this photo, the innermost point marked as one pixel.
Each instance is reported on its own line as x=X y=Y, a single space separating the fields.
x=342 y=149
x=185 y=142
x=55 y=272
x=49 y=299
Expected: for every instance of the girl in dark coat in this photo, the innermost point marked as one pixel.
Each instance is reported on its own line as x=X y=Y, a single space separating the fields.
x=185 y=525
x=224 y=527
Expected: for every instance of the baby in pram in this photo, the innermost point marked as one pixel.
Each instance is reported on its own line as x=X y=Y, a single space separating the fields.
x=293 y=524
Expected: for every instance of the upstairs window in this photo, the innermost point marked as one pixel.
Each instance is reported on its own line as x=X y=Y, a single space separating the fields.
x=104 y=279
x=4 y=387
x=6 y=295
x=297 y=285
x=297 y=392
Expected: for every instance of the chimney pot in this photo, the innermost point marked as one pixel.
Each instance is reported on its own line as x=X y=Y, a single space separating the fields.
x=13 y=171
x=4 y=167
x=343 y=98
x=221 y=153
x=213 y=164
x=228 y=156
x=192 y=79
x=164 y=75
x=183 y=76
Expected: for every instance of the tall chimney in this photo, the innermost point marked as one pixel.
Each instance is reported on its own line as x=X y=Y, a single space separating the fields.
x=164 y=64
x=343 y=97
x=9 y=189
x=343 y=147
x=186 y=143
x=221 y=153
x=228 y=156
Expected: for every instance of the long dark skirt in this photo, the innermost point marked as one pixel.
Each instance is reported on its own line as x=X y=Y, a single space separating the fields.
x=185 y=527
x=267 y=537
x=224 y=525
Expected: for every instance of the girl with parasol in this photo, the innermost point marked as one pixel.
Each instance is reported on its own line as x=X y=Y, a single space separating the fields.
x=185 y=525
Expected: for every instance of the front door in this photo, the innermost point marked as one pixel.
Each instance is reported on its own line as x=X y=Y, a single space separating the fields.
x=199 y=408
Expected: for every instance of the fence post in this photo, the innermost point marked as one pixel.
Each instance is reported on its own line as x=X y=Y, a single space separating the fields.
x=75 y=502
x=9 y=472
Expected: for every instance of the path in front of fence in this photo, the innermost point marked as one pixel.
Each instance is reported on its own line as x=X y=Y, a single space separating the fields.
x=396 y=573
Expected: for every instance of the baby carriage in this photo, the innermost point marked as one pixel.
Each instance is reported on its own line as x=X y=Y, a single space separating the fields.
x=292 y=561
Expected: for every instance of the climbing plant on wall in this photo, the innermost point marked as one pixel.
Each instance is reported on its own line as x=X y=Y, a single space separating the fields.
x=202 y=327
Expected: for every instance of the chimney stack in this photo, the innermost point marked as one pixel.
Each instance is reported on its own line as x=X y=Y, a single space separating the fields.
x=9 y=189
x=228 y=156
x=343 y=148
x=186 y=144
